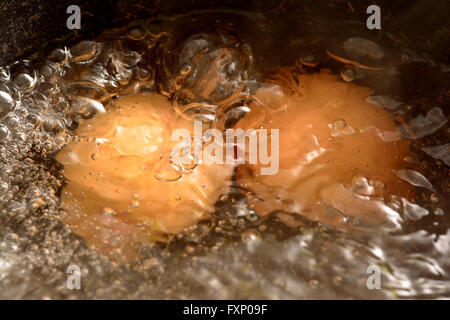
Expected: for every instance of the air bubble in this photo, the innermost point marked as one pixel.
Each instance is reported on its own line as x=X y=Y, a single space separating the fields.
x=86 y=107
x=84 y=51
x=379 y=185
x=25 y=82
x=59 y=56
x=313 y=283
x=363 y=48
x=340 y=127
x=166 y=171
x=6 y=104
x=361 y=186
x=134 y=204
x=136 y=34
x=309 y=60
x=198 y=112
x=348 y=74
x=250 y=235
x=107 y=211
x=143 y=73
x=3 y=187
x=413 y=211
x=340 y=124
x=4 y=75
x=434 y=198
x=415 y=178
x=4 y=132
x=12 y=122
x=229 y=115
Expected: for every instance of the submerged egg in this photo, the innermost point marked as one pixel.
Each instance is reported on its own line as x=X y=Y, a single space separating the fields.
x=335 y=151
x=118 y=198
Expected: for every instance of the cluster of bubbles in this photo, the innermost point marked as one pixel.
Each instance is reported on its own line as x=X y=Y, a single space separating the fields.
x=43 y=100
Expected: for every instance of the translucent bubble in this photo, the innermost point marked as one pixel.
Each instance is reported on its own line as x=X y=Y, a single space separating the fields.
x=198 y=111
x=4 y=74
x=348 y=74
x=136 y=34
x=229 y=115
x=107 y=211
x=340 y=127
x=415 y=178
x=86 y=107
x=250 y=235
x=121 y=60
x=361 y=48
x=166 y=171
x=12 y=241
x=59 y=56
x=60 y=141
x=47 y=70
x=313 y=283
x=337 y=280
x=36 y=203
x=385 y=101
x=25 y=81
x=206 y=70
x=3 y=187
x=124 y=77
x=88 y=90
x=185 y=70
x=340 y=124
x=421 y=126
x=360 y=185
x=4 y=132
x=413 y=211
x=12 y=122
x=6 y=104
x=309 y=60
x=379 y=185
x=143 y=73
x=50 y=124
x=441 y=152
x=84 y=51
x=192 y=162
x=434 y=198
x=134 y=204
x=233 y=115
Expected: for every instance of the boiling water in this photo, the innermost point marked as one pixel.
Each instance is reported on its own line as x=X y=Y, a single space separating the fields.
x=212 y=71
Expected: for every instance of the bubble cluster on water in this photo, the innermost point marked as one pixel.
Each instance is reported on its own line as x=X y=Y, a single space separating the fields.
x=236 y=254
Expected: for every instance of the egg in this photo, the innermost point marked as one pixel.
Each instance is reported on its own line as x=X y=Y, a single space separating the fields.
x=337 y=154
x=122 y=188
